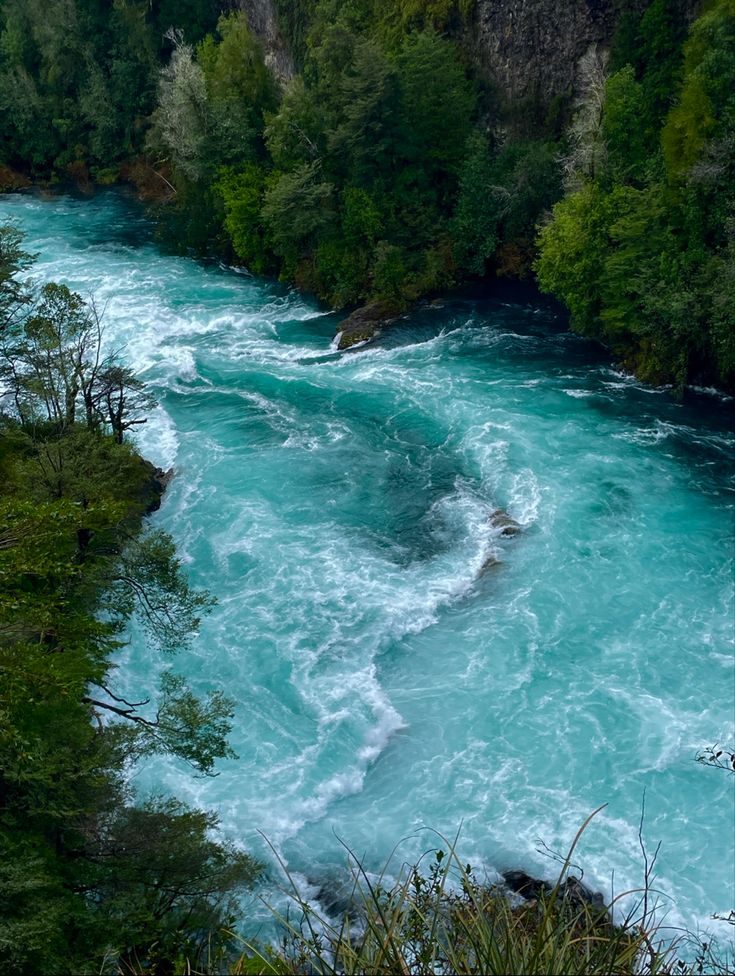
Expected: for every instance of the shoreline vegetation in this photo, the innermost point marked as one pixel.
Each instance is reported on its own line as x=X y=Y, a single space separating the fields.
x=388 y=169
x=438 y=917
x=88 y=873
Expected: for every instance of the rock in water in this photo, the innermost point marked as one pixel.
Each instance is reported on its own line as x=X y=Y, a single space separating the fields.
x=364 y=324
x=574 y=892
x=490 y=563
x=578 y=894
x=508 y=526
x=524 y=885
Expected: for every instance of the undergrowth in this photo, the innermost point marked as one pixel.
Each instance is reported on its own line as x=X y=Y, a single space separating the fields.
x=438 y=919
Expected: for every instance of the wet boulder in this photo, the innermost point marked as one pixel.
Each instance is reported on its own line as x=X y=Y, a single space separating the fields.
x=525 y=885
x=364 y=324
x=572 y=891
x=491 y=562
x=577 y=894
x=499 y=519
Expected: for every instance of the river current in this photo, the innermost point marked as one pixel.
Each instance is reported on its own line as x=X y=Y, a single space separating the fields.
x=337 y=505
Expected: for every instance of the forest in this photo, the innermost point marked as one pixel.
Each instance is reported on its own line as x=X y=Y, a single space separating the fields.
x=388 y=169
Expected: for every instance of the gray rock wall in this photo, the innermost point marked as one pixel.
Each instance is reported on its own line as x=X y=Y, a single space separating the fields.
x=263 y=20
x=530 y=48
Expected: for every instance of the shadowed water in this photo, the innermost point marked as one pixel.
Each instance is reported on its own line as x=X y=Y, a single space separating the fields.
x=337 y=505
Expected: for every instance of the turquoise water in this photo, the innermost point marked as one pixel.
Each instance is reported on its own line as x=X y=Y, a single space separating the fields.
x=337 y=505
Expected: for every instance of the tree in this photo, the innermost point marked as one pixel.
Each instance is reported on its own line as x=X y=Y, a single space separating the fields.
x=480 y=206
x=148 y=578
x=661 y=35
x=627 y=145
x=588 y=152
x=156 y=866
x=240 y=88
x=436 y=104
x=400 y=16
x=572 y=250
x=56 y=369
x=120 y=399
x=182 y=120
x=242 y=191
x=45 y=356
x=297 y=133
x=364 y=137
x=296 y=207
x=179 y=724
x=15 y=293
x=705 y=107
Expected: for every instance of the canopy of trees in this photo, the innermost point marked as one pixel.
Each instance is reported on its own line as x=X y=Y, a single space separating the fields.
x=387 y=170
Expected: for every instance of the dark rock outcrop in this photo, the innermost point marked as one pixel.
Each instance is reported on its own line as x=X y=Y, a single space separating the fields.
x=578 y=894
x=572 y=891
x=153 y=487
x=364 y=324
x=508 y=526
x=529 y=49
x=525 y=885
x=499 y=519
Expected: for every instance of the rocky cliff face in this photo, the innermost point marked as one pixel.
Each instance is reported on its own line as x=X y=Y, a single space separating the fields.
x=263 y=19
x=530 y=48
x=527 y=48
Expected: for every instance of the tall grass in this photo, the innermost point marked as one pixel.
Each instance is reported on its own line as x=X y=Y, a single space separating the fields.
x=441 y=920
x=437 y=919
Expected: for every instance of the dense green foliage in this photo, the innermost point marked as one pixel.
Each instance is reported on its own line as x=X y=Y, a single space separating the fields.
x=374 y=174
x=378 y=181
x=384 y=170
x=77 y=78
x=85 y=874
x=642 y=249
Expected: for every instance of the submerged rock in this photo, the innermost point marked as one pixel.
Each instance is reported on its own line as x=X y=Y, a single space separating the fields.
x=499 y=519
x=364 y=324
x=492 y=562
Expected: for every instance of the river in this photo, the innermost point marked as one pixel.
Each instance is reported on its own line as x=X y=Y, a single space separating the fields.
x=337 y=505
